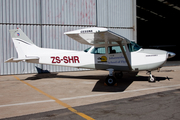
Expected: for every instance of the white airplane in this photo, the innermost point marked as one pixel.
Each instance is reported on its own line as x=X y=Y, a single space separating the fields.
x=109 y=51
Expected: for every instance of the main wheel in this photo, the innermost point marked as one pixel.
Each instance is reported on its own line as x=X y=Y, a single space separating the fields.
x=152 y=79
x=110 y=80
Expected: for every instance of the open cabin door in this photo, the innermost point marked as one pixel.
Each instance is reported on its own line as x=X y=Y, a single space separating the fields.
x=115 y=56
x=110 y=57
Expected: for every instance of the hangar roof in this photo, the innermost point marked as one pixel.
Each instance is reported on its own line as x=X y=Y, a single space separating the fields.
x=157 y=9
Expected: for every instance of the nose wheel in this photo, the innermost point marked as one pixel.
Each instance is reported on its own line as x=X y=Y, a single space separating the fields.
x=151 y=77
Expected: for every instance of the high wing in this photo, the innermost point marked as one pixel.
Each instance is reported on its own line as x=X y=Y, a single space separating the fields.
x=98 y=37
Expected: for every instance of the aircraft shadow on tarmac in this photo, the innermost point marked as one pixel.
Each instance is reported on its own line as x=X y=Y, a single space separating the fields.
x=122 y=84
x=55 y=75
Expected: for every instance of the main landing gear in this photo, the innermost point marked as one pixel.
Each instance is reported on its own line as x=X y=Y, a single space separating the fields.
x=110 y=80
x=151 y=77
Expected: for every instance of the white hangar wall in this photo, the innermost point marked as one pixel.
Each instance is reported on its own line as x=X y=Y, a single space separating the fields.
x=45 y=21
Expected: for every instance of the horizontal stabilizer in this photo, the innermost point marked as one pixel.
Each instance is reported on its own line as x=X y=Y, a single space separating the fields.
x=21 y=59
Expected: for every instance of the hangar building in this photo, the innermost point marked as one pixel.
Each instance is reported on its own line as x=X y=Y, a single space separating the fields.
x=45 y=21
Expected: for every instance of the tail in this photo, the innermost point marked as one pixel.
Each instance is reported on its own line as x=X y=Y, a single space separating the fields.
x=25 y=48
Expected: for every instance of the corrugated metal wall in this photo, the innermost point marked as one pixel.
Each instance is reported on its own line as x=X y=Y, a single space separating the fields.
x=69 y=12
x=115 y=13
x=20 y=11
x=45 y=21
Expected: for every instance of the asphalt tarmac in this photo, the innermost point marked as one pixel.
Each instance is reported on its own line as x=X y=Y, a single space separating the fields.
x=83 y=95
x=157 y=106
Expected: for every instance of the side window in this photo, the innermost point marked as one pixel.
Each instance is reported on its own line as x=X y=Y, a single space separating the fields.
x=99 y=50
x=86 y=50
x=115 y=49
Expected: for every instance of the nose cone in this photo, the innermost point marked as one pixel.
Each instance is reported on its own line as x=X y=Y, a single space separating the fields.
x=170 y=54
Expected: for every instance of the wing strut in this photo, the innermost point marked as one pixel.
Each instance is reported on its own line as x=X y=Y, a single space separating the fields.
x=125 y=56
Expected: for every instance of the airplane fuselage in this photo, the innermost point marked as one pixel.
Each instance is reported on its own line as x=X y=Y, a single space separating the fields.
x=143 y=59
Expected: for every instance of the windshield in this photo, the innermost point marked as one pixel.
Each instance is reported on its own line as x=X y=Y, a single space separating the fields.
x=133 y=47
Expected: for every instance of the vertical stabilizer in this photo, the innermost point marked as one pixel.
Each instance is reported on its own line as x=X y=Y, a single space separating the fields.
x=23 y=45
x=19 y=34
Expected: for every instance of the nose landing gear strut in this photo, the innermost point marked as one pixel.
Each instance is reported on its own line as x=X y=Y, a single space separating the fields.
x=151 y=77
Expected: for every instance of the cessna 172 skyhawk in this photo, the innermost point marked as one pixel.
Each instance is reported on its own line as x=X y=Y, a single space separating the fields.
x=109 y=51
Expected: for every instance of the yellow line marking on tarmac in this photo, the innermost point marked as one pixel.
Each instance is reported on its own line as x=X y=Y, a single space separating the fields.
x=57 y=100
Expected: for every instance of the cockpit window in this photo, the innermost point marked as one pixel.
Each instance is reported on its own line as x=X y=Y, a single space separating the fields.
x=86 y=50
x=133 y=47
x=99 y=50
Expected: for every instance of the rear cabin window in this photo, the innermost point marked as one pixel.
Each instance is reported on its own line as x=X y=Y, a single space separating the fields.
x=86 y=50
x=99 y=50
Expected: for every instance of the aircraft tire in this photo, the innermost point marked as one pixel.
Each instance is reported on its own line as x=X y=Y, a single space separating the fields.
x=110 y=80
x=152 y=80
